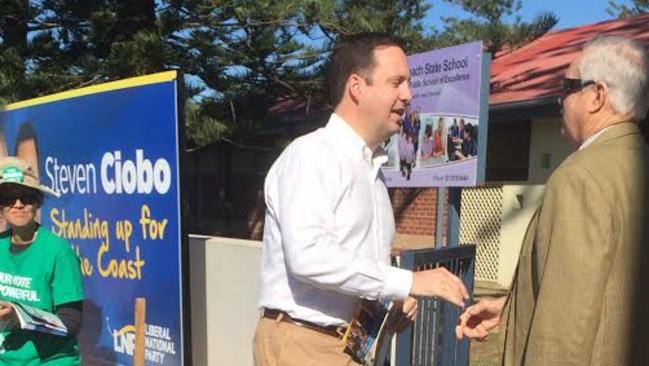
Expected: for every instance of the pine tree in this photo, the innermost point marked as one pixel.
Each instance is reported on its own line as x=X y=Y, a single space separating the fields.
x=14 y=49
x=626 y=11
x=488 y=23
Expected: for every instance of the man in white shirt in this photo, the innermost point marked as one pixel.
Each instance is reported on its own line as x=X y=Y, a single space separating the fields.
x=329 y=223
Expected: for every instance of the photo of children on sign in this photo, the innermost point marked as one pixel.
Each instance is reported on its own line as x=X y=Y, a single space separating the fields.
x=438 y=140
x=442 y=143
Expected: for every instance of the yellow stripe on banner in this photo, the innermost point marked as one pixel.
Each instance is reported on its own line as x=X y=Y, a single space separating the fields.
x=100 y=88
x=125 y=329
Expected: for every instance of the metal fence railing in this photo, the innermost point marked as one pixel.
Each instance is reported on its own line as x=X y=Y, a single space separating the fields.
x=431 y=340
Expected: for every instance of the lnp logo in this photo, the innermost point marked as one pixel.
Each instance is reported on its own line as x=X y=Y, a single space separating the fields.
x=158 y=343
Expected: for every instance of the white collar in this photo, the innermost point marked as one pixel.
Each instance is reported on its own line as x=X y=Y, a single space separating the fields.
x=592 y=138
x=355 y=142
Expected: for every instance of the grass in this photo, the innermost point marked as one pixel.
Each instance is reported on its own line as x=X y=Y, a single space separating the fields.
x=487 y=353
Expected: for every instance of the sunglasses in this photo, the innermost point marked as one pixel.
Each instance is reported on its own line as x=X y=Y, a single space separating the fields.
x=574 y=85
x=571 y=85
x=9 y=200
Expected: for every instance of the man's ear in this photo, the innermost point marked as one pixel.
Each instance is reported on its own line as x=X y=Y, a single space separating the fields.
x=355 y=85
x=599 y=98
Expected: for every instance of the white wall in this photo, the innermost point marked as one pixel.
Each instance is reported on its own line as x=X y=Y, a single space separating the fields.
x=224 y=276
x=546 y=140
x=518 y=206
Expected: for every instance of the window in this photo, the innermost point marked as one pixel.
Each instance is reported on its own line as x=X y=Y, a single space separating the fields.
x=508 y=151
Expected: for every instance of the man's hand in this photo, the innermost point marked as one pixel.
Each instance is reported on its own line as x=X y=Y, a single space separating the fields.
x=407 y=312
x=409 y=308
x=479 y=319
x=439 y=282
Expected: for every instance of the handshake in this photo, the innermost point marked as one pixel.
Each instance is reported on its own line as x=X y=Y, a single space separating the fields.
x=477 y=320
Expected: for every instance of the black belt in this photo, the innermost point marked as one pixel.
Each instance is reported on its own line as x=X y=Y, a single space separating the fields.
x=282 y=316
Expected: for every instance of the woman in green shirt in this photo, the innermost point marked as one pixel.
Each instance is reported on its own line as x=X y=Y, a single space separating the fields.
x=37 y=268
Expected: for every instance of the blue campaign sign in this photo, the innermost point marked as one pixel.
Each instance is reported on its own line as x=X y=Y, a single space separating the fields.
x=112 y=152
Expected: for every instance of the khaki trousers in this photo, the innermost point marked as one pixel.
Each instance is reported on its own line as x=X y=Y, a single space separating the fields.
x=279 y=343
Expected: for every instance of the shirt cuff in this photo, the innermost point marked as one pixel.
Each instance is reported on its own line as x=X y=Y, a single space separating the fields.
x=397 y=283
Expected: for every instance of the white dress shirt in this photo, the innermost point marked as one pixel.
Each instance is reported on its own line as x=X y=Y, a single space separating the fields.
x=328 y=228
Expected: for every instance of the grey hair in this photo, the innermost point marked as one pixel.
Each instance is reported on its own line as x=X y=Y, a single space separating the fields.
x=622 y=65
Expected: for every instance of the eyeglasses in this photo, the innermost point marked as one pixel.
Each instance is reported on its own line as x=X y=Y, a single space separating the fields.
x=574 y=85
x=571 y=85
x=9 y=200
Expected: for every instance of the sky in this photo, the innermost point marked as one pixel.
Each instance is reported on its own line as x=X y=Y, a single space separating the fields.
x=571 y=13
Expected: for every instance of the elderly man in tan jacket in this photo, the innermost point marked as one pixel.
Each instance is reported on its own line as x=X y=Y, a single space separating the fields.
x=578 y=293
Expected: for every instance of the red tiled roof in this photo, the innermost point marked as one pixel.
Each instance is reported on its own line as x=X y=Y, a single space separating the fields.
x=300 y=107
x=536 y=70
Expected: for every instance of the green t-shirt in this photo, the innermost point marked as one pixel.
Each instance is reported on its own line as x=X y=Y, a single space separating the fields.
x=44 y=275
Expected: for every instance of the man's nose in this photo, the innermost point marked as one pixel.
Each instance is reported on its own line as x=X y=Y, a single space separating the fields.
x=406 y=93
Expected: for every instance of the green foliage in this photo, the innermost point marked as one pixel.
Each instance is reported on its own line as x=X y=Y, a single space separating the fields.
x=239 y=57
x=201 y=126
x=626 y=11
x=488 y=23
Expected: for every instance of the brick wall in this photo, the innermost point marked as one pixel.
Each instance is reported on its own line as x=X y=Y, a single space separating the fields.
x=415 y=210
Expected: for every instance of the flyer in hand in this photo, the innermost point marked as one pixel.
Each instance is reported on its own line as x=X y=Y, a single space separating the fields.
x=35 y=319
x=367 y=333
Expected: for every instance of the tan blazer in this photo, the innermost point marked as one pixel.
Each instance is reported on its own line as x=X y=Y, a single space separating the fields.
x=574 y=293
